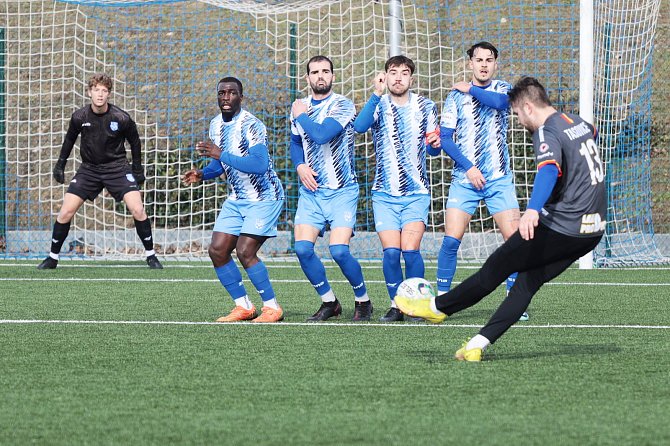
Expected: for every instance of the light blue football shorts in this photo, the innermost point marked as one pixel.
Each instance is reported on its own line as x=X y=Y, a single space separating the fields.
x=393 y=213
x=336 y=207
x=499 y=195
x=249 y=217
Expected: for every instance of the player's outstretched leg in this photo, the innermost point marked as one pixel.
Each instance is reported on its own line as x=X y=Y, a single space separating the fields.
x=508 y=286
x=316 y=274
x=354 y=274
x=423 y=307
x=143 y=229
x=58 y=236
x=393 y=277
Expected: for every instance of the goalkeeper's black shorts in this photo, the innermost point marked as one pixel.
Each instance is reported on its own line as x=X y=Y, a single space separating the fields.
x=89 y=181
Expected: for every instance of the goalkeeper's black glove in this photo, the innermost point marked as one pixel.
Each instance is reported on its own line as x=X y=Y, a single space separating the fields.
x=138 y=173
x=59 y=170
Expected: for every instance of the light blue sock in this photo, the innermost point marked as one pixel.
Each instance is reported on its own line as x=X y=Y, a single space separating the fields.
x=258 y=274
x=312 y=266
x=510 y=281
x=392 y=270
x=446 y=263
x=350 y=268
x=231 y=279
x=414 y=266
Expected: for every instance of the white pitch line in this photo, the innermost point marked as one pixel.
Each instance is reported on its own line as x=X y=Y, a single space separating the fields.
x=312 y=324
x=168 y=280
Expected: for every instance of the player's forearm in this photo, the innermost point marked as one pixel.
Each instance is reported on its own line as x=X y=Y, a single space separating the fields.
x=366 y=117
x=68 y=142
x=492 y=99
x=212 y=170
x=319 y=133
x=543 y=186
x=256 y=162
x=135 y=145
x=452 y=150
x=297 y=152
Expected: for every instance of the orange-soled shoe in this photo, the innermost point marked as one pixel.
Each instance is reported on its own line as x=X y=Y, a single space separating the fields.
x=239 y=314
x=270 y=315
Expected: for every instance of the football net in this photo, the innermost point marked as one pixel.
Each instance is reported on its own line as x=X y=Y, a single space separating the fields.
x=166 y=57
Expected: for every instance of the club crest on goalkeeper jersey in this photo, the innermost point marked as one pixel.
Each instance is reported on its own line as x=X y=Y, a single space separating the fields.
x=333 y=161
x=236 y=137
x=480 y=132
x=399 y=136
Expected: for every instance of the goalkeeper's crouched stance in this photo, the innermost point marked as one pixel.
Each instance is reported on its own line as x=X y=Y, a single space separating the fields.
x=565 y=220
x=104 y=128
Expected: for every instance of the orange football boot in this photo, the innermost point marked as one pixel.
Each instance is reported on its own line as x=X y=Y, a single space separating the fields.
x=239 y=314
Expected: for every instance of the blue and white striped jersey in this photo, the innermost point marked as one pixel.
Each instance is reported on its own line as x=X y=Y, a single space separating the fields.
x=481 y=132
x=399 y=136
x=333 y=161
x=236 y=137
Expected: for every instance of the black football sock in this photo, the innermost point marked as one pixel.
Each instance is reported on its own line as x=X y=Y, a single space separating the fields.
x=58 y=236
x=143 y=229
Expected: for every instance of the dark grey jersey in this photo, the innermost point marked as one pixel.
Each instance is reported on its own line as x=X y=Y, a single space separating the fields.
x=578 y=204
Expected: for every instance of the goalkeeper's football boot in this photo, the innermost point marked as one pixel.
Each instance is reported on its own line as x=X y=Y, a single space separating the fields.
x=326 y=311
x=239 y=314
x=471 y=355
x=153 y=262
x=524 y=317
x=48 y=263
x=269 y=315
x=362 y=311
x=419 y=308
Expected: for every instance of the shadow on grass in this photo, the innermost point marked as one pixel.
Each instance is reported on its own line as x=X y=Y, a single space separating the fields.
x=575 y=350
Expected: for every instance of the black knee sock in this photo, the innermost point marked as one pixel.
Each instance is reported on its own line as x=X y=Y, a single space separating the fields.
x=58 y=236
x=143 y=229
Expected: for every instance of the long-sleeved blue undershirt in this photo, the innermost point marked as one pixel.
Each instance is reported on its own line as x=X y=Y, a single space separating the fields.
x=450 y=148
x=255 y=163
x=493 y=99
x=319 y=133
x=366 y=117
x=297 y=153
x=543 y=186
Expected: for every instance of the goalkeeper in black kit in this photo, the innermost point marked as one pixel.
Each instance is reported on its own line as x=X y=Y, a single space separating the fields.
x=104 y=128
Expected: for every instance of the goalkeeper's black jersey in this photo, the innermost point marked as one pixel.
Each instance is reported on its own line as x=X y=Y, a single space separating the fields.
x=102 y=136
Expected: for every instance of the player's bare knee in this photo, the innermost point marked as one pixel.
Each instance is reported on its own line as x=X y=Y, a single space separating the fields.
x=246 y=256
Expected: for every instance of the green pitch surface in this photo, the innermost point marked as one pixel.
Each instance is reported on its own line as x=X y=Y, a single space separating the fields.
x=115 y=353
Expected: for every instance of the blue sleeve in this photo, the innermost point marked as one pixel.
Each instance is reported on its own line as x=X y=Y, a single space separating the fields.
x=451 y=149
x=366 y=117
x=320 y=133
x=432 y=151
x=297 y=153
x=256 y=162
x=212 y=170
x=545 y=180
x=499 y=101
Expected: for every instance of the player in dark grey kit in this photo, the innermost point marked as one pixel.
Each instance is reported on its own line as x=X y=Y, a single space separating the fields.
x=104 y=128
x=565 y=219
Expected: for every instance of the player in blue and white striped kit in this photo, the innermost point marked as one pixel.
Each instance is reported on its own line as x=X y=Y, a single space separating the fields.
x=400 y=121
x=322 y=150
x=248 y=217
x=477 y=114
